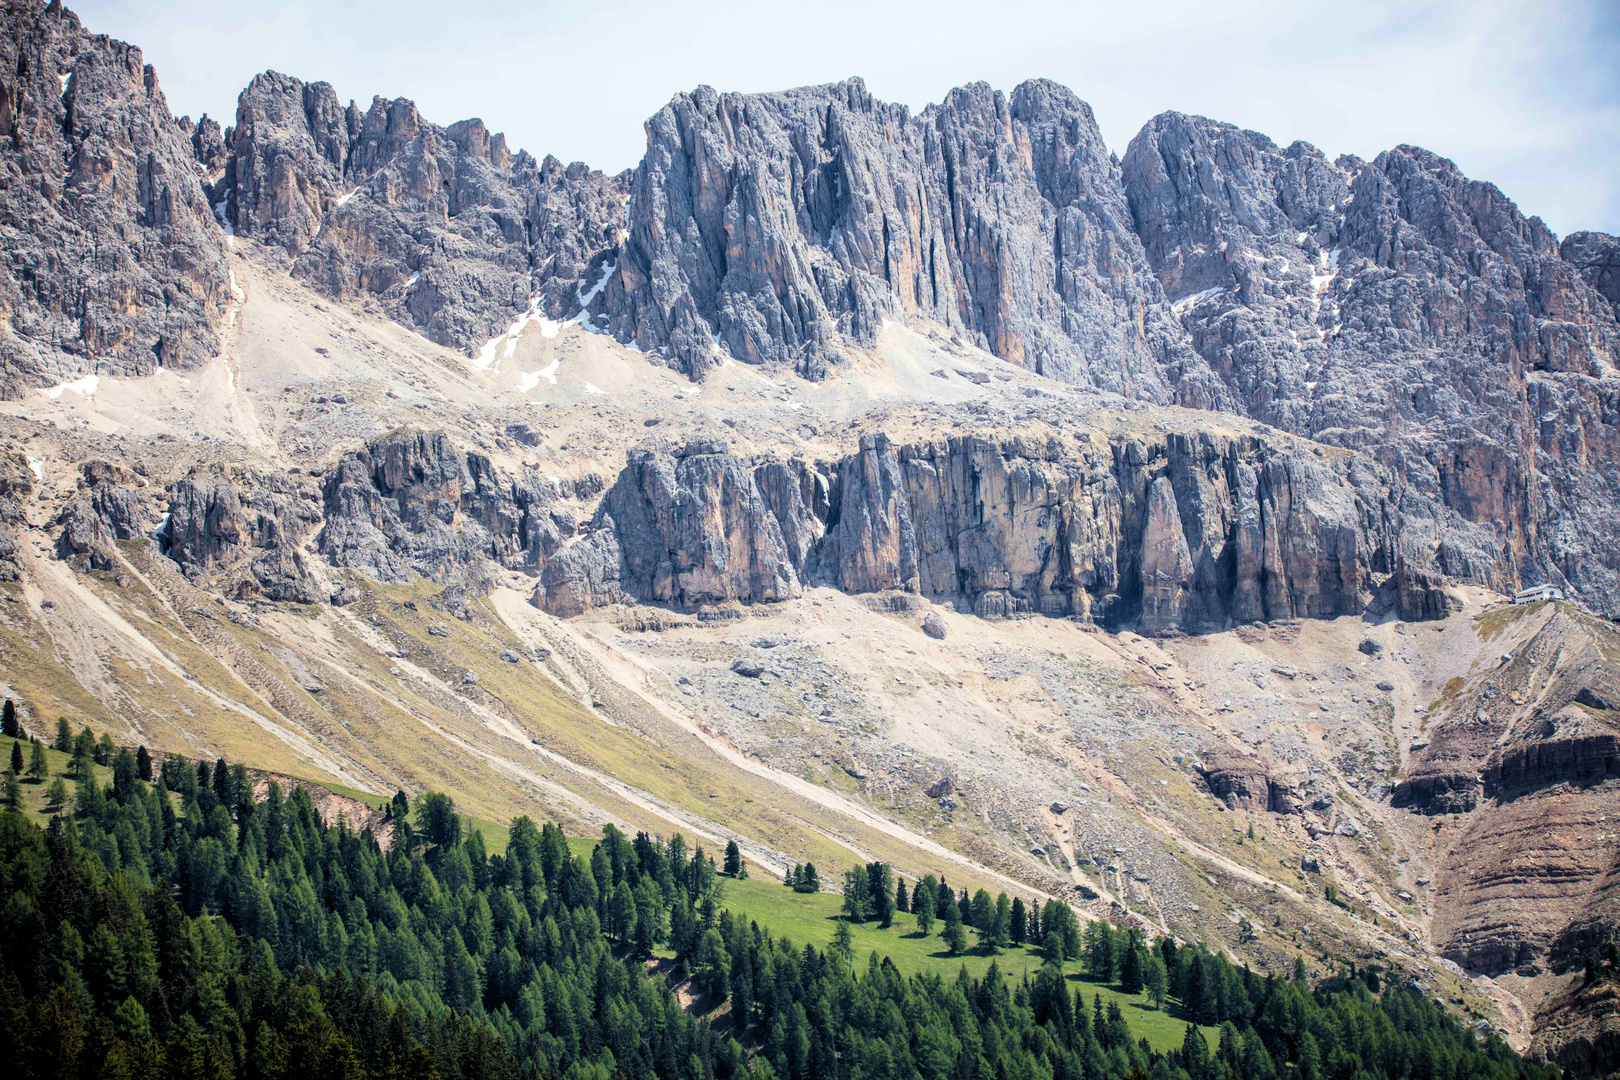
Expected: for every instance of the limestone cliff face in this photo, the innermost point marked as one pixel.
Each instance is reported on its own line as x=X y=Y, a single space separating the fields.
x=1245 y=782
x=447 y=228
x=108 y=507
x=784 y=227
x=113 y=264
x=688 y=528
x=1190 y=533
x=243 y=529
x=412 y=503
x=1399 y=308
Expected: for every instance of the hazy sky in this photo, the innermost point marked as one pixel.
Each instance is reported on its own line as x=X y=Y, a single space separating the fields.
x=1524 y=94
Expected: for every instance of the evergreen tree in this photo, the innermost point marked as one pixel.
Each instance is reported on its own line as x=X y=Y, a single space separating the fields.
x=16 y=759
x=1156 y=980
x=857 y=898
x=733 y=862
x=1019 y=926
x=14 y=795
x=982 y=917
x=1132 y=974
x=38 y=768
x=8 y=720
x=880 y=893
x=436 y=817
x=56 y=795
x=924 y=902
x=842 y=948
x=902 y=901
x=64 y=736
x=955 y=936
x=1195 y=1054
x=143 y=763
x=104 y=750
x=1003 y=920
x=1099 y=950
x=809 y=880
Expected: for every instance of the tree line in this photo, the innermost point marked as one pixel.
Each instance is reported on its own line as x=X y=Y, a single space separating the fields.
x=193 y=923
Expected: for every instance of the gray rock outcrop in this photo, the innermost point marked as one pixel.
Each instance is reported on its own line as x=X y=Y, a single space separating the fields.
x=452 y=233
x=784 y=227
x=245 y=530
x=107 y=508
x=412 y=503
x=686 y=528
x=113 y=263
x=1190 y=532
x=1398 y=308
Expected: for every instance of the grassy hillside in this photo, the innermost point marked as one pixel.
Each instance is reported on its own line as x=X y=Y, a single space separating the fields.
x=812 y=919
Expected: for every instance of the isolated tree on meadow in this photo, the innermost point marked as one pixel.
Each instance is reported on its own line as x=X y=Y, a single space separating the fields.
x=923 y=902
x=955 y=936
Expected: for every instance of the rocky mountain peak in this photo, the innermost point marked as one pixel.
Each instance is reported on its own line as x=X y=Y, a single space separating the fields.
x=113 y=262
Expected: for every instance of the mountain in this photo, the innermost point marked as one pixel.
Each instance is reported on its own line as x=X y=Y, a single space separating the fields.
x=850 y=483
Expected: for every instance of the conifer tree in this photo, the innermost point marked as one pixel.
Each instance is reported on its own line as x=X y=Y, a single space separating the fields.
x=8 y=720
x=924 y=903
x=37 y=765
x=955 y=936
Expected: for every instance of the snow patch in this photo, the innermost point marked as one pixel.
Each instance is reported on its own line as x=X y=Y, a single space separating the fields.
x=1322 y=276
x=596 y=290
x=224 y=221
x=65 y=76
x=592 y=388
x=531 y=379
x=1187 y=303
x=345 y=198
x=84 y=387
x=38 y=466
x=548 y=327
x=236 y=290
x=412 y=280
